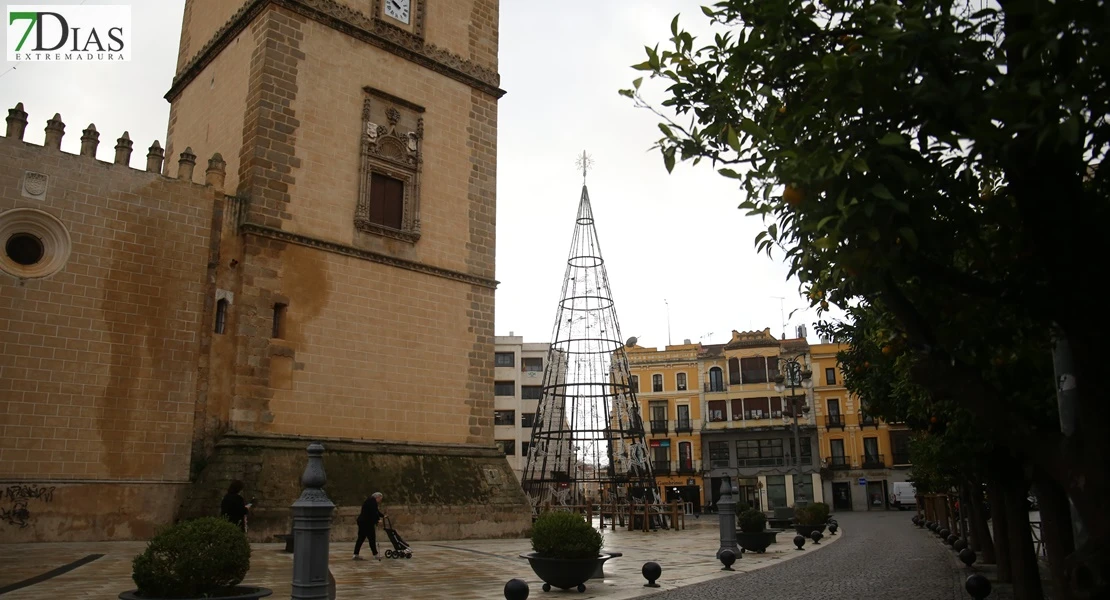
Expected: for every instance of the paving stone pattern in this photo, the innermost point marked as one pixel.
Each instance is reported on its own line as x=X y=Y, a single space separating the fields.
x=880 y=555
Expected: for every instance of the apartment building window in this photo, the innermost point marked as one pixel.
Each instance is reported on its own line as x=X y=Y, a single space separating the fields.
x=504 y=359
x=754 y=369
x=680 y=382
x=803 y=488
x=716 y=380
x=657 y=383
x=718 y=455
x=683 y=422
x=531 y=365
x=717 y=410
x=737 y=409
x=830 y=376
x=900 y=447
x=807 y=449
x=508 y=447
x=527 y=420
x=634 y=384
x=759 y=453
x=504 y=388
x=734 y=377
x=504 y=417
x=757 y=408
x=776 y=491
x=525 y=447
x=531 y=392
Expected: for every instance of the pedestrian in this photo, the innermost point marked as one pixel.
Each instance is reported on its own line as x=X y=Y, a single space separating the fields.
x=233 y=507
x=367 y=520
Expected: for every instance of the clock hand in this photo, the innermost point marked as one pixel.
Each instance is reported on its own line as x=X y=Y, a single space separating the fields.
x=394 y=3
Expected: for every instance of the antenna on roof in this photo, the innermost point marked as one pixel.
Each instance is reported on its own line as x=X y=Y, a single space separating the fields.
x=782 y=314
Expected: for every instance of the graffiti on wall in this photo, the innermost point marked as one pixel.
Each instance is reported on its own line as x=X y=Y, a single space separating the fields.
x=16 y=500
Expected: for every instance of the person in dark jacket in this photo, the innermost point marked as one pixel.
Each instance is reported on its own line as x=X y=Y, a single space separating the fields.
x=233 y=507
x=367 y=520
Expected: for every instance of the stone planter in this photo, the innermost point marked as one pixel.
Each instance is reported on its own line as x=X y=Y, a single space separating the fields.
x=564 y=573
x=756 y=542
x=241 y=592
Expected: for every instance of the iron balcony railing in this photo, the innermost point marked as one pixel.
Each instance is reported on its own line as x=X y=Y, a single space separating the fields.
x=838 y=463
x=901 y=458
x=687 y=467
x=661 y=467
x=659 y=426
x=715 y=387
x=868 y=421
x=873 y=461
x=683 y=426
x=834 y=420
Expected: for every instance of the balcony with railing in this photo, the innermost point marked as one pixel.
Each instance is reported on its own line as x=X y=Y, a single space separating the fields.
x=873 y=461
x=715 y=386
x=764 y=461
x=901 y=458
x=838 y=463
x=683 y=426
x=661 y=467
x=868 y=421
x=687 y=467
x=659 y=426
x=834 y=420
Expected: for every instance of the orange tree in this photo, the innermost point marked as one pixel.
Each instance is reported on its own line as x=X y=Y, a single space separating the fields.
x=936 y=157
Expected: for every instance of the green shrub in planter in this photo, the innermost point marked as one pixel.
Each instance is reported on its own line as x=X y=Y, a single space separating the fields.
x=564 y=535
x=752 y=521
x=192 y=559
x=808 y=515
x=742 y=506
x=823 y=511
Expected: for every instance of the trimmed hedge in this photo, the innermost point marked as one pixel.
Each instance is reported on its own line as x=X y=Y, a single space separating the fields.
x=565 y=535
x=192 y=559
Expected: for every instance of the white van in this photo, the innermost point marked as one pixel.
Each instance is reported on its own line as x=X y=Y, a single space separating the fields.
x=903 y=496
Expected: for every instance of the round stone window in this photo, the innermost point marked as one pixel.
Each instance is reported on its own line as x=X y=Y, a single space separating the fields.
x=35 y=243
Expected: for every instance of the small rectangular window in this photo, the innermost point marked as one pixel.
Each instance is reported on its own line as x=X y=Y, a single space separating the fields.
x=507 y=446
x=504 y=417
x=634 y=383
x=527 y=420
x=680 y=381
x=531 y=365
x=221 y=315
x=504 y=359
x=657 y=383
x=717 y=410
x=531 y=392
x=279 y=321
x=524 y=447
x=504 y=388
x=830 y=376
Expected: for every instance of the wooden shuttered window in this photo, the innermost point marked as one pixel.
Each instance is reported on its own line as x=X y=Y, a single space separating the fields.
x=387 y=200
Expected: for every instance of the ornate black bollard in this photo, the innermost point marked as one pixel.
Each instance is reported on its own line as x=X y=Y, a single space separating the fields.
x=967 y=555
x=915 y=519
x=726 y=515
x=833 y=527
x=312 y=514
x=921 y=522
x=727 y=558
x=943 y=533
x=959 y=545
x=799 y=541
x=978 y=586
x=516 y=589
x=951 y=539
x=816 y=537
x=651 y=571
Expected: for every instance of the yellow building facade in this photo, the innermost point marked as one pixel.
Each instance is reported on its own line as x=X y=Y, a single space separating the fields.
x=861 y=455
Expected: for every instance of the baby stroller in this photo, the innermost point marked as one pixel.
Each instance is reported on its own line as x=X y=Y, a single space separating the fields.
x=400 y=548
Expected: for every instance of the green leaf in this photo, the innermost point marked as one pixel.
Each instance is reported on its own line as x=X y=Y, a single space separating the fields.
x=880 y=191
x=1069 y=131
x=668 y=159
x=860 y=165
x=628 y=93
x=666 y=130
x=824 y=243
x=892 y=139
x=730 y=173
x=908 y=235
x=707 y=11
x=750 y=127
x=644 y=66
x=821 y=224
x=733 y=140
x=674 y=26
x=636 y=82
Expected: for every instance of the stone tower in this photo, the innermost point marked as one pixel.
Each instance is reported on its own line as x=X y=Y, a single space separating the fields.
x=353 y=286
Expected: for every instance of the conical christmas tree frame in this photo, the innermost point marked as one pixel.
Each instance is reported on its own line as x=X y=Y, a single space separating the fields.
x=587 y=443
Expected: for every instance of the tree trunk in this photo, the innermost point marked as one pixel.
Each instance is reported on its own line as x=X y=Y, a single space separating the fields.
x=980 y=532
x=965 y=511
x=1056 y=532
x=999 y=519
x=1023 y=560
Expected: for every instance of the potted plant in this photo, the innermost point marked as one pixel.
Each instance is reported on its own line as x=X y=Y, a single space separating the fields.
x=753 y=536
x=567 y=550
x=823 y=511
x=808 y=519
x=201 y=558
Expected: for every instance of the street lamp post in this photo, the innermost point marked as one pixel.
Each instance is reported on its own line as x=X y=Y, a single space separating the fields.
x=794 y=370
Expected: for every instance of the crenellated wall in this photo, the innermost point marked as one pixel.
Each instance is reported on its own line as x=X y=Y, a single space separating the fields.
x=99 y=333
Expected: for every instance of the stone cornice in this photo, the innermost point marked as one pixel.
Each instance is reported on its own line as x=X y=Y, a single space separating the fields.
x=354 y=24
x=304 y=240
x=262 y=440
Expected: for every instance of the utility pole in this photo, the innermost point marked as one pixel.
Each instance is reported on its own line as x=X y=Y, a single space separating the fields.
x=668 y=321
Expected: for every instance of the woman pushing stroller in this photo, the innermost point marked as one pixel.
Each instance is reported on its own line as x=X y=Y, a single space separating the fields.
x=368 y=519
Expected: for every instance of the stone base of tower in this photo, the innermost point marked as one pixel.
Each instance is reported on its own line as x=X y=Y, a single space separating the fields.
x=431 y=492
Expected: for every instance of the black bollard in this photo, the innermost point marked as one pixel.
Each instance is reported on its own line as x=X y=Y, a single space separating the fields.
x=799 y=541
x=516 y=589
x=978 y=586
x=951 y=539
x=943 y=533
x=651 y=571
x=727 y=558
x=967 y=555
x=959 y=545
x=832 y=528
x=816 y=537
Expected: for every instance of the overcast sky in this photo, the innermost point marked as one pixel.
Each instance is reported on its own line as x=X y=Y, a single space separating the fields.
x=674 y=239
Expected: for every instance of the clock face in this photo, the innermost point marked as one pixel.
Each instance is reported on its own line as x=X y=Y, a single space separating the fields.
x=398 y=9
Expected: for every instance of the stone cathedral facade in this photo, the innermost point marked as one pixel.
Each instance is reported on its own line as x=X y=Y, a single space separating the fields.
x=329 y=277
